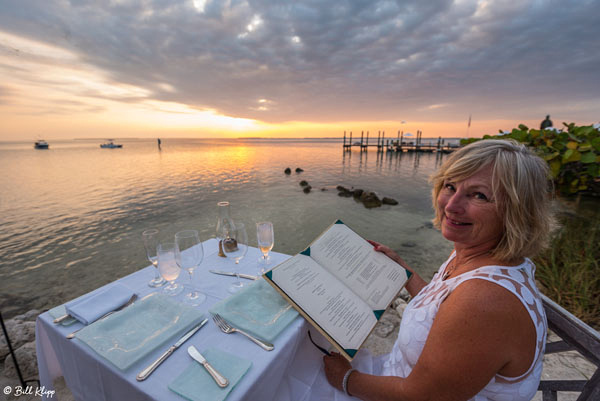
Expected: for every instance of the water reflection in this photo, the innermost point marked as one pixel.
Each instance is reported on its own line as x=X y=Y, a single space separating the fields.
x=72 y=216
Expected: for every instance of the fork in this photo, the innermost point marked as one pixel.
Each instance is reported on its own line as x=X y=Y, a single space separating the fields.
x=228 y=329
x=131 y=300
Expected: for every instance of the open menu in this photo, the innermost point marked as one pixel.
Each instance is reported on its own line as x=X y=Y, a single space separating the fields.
x=341 y=285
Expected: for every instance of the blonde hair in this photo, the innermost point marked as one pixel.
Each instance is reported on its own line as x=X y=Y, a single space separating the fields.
x=521 y=189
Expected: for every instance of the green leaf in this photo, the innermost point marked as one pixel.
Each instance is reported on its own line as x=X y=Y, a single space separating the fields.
x=571 y=155
x=523 y=127
x=596 y=143
x=584 y=147
x=551 y=156
x=555 y=168
x=572 y=145
x=588 y=157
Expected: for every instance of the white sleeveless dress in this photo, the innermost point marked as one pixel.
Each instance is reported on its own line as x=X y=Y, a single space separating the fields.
x=301 y=382
x=418 y=317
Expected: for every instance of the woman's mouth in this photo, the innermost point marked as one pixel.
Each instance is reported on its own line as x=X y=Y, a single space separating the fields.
x=456 y=223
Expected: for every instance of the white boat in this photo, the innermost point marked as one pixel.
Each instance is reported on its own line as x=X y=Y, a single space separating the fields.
x=110 y=145
x=41 y=144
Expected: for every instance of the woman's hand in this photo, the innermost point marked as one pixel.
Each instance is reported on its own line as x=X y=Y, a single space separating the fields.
x=390 y=254
x=336 y=367
x=415 y=283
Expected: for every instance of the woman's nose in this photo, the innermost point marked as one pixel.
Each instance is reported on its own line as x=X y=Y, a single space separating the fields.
x=455 y=204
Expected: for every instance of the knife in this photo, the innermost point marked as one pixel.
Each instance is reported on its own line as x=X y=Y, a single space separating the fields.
x=61 y=318
x=219 y=379
x=143 y=375
x=246 y=276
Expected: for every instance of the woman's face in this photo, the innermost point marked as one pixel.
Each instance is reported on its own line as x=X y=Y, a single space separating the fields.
x=468 y=211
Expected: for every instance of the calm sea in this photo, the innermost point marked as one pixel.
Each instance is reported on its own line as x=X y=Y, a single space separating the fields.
x=71 y=217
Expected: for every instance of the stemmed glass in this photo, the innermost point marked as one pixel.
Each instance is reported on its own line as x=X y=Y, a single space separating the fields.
x=188 y=255
x=266 y=239
x=235 y=247
x=150 y=238
x=168 y=268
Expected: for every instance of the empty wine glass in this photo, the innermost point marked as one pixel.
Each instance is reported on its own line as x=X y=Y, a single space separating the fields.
x=188 y=255
x=150 y=238
x=235 y=247
x=168 y=268
x=266 y=239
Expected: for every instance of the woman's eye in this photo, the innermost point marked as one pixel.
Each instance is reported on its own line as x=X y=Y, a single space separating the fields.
x=449 y=187
x=480 y=196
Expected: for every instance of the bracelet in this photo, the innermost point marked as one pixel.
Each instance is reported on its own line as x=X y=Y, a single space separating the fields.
x=345 y=381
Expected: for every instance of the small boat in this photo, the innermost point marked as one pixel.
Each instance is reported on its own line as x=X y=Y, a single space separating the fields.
x=41 y=144
x=110 y=145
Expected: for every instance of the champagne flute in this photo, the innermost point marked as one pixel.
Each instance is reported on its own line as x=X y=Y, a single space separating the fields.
x=168 y=268
x=188 y=255
x=150 y=238
x=266 y=239
x=235 y=247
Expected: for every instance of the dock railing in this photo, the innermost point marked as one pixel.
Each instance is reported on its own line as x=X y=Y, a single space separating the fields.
x=401 y=144
x=577 y=336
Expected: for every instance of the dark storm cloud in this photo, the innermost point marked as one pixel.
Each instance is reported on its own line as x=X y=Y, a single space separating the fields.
x=327 y=61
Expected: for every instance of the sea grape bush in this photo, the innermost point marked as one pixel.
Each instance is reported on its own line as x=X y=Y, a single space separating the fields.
x=573 y=154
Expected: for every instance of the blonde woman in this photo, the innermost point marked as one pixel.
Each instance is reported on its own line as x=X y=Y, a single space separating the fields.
x=477 y=331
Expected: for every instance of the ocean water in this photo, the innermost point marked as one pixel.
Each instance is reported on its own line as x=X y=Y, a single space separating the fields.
x=71 y=217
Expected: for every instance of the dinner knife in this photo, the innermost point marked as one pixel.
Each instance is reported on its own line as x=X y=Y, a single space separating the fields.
x=61 y=319
x=246 y=276
x=219 y=378
x=143 y=375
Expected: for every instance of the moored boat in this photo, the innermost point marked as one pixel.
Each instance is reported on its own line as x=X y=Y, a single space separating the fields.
x=111 y=145
x=41 y=144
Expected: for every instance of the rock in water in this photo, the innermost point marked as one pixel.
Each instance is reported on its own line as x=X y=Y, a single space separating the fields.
x=307 y=189
x=288 y=171
x=370 y=200
x=299 y=170
x=389 y=201
x=303 y=183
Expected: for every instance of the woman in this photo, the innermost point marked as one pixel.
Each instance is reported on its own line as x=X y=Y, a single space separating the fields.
x=477 y=331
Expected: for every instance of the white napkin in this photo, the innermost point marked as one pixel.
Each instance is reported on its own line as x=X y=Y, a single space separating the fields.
x=90 y=308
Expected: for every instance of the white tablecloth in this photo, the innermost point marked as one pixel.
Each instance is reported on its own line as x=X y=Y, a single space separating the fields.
x=90 y=377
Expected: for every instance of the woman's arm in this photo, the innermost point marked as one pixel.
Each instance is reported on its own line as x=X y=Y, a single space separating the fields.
x=476 y=334
x=415 y=283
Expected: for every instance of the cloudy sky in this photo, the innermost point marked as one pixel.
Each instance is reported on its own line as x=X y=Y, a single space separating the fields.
x=206 y=68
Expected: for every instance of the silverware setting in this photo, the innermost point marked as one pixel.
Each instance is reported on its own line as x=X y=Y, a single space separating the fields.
x=143 y=375
x=62 y=318
x=133 y=298
x=228 y=329
x=241 y=275
x=219 y=378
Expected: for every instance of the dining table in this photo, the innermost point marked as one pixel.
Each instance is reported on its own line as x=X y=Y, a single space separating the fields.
x=89 y=376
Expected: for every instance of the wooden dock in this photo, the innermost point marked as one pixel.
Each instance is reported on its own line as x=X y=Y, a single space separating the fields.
x=401 y=144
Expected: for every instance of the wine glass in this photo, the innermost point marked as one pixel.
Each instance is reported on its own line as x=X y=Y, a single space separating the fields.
x=150 y=238
x=235 y=247
x=168 y=268
x=266 y=239
x=188 y=255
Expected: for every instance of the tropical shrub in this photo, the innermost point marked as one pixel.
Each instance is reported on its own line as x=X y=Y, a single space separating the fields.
x=573 y=154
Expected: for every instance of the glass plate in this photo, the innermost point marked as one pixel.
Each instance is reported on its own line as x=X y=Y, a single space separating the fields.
x=258 y=309
x=129 y=335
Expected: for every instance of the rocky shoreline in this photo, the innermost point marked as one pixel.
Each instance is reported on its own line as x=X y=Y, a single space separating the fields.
x=21 y=331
